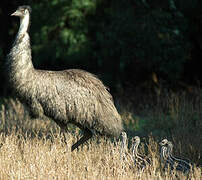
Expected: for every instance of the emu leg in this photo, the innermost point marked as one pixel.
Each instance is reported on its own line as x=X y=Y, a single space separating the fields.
x=63 y=129
x=87 y=135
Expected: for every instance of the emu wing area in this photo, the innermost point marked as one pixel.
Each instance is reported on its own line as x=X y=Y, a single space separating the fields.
x=78 y=96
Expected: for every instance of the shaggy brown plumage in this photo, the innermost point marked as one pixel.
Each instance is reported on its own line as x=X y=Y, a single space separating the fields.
x=70 y=96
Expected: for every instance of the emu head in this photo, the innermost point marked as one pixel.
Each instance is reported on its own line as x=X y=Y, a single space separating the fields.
x=164 y=142
x=123 y=139
x=22 y=11
x=123 y=136
x=136 y=140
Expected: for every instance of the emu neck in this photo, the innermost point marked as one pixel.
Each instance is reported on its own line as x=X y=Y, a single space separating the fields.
x=123 y=144
x=164 y=153
x=135 y=149
x=24 y=24
x=20 y=58
x=170 y=149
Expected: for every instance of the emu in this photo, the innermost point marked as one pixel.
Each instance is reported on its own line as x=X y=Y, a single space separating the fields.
x=139 y=160
x=125 y=155
x=179 y=164
x=69 y=96
x=124 y=146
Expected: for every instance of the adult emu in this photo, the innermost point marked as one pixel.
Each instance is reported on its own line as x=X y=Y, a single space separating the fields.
x=70 y=96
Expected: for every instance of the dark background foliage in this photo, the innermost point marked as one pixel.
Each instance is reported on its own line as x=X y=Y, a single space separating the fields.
x=125 y=43
x=134 y=46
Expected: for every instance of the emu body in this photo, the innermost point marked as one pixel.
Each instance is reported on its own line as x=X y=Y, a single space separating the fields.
x=70 y=96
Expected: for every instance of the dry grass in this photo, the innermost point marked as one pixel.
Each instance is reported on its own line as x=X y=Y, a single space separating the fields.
x=34 y=149
x=36 y=158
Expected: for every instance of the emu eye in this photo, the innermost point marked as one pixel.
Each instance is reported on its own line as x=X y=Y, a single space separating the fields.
x=23 y=11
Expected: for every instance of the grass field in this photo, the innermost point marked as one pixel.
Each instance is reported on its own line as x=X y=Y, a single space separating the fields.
x=35 y=149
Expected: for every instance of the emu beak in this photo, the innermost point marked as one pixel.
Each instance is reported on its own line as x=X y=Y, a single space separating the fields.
x=16 y=13
x=160 y=143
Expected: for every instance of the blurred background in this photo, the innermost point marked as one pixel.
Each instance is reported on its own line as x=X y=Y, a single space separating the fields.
x=126 y=43
x=148 y=52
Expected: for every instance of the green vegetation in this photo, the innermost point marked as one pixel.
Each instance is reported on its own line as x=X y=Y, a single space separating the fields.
x=145 y=51
x=123 y=42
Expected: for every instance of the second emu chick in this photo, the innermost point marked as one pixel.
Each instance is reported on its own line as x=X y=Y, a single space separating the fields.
x=139 y=160
x=70 y=96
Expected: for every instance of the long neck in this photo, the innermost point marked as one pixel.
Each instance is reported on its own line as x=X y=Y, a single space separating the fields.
x=170 y=149
x=124 y=148
x=164 y=153
x=124 y=144
x=135 y=149
x=19 y=58
x=24 y=24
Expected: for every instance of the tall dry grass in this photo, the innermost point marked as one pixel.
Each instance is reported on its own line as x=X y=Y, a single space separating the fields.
x=176 y=116
x=35 y=149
